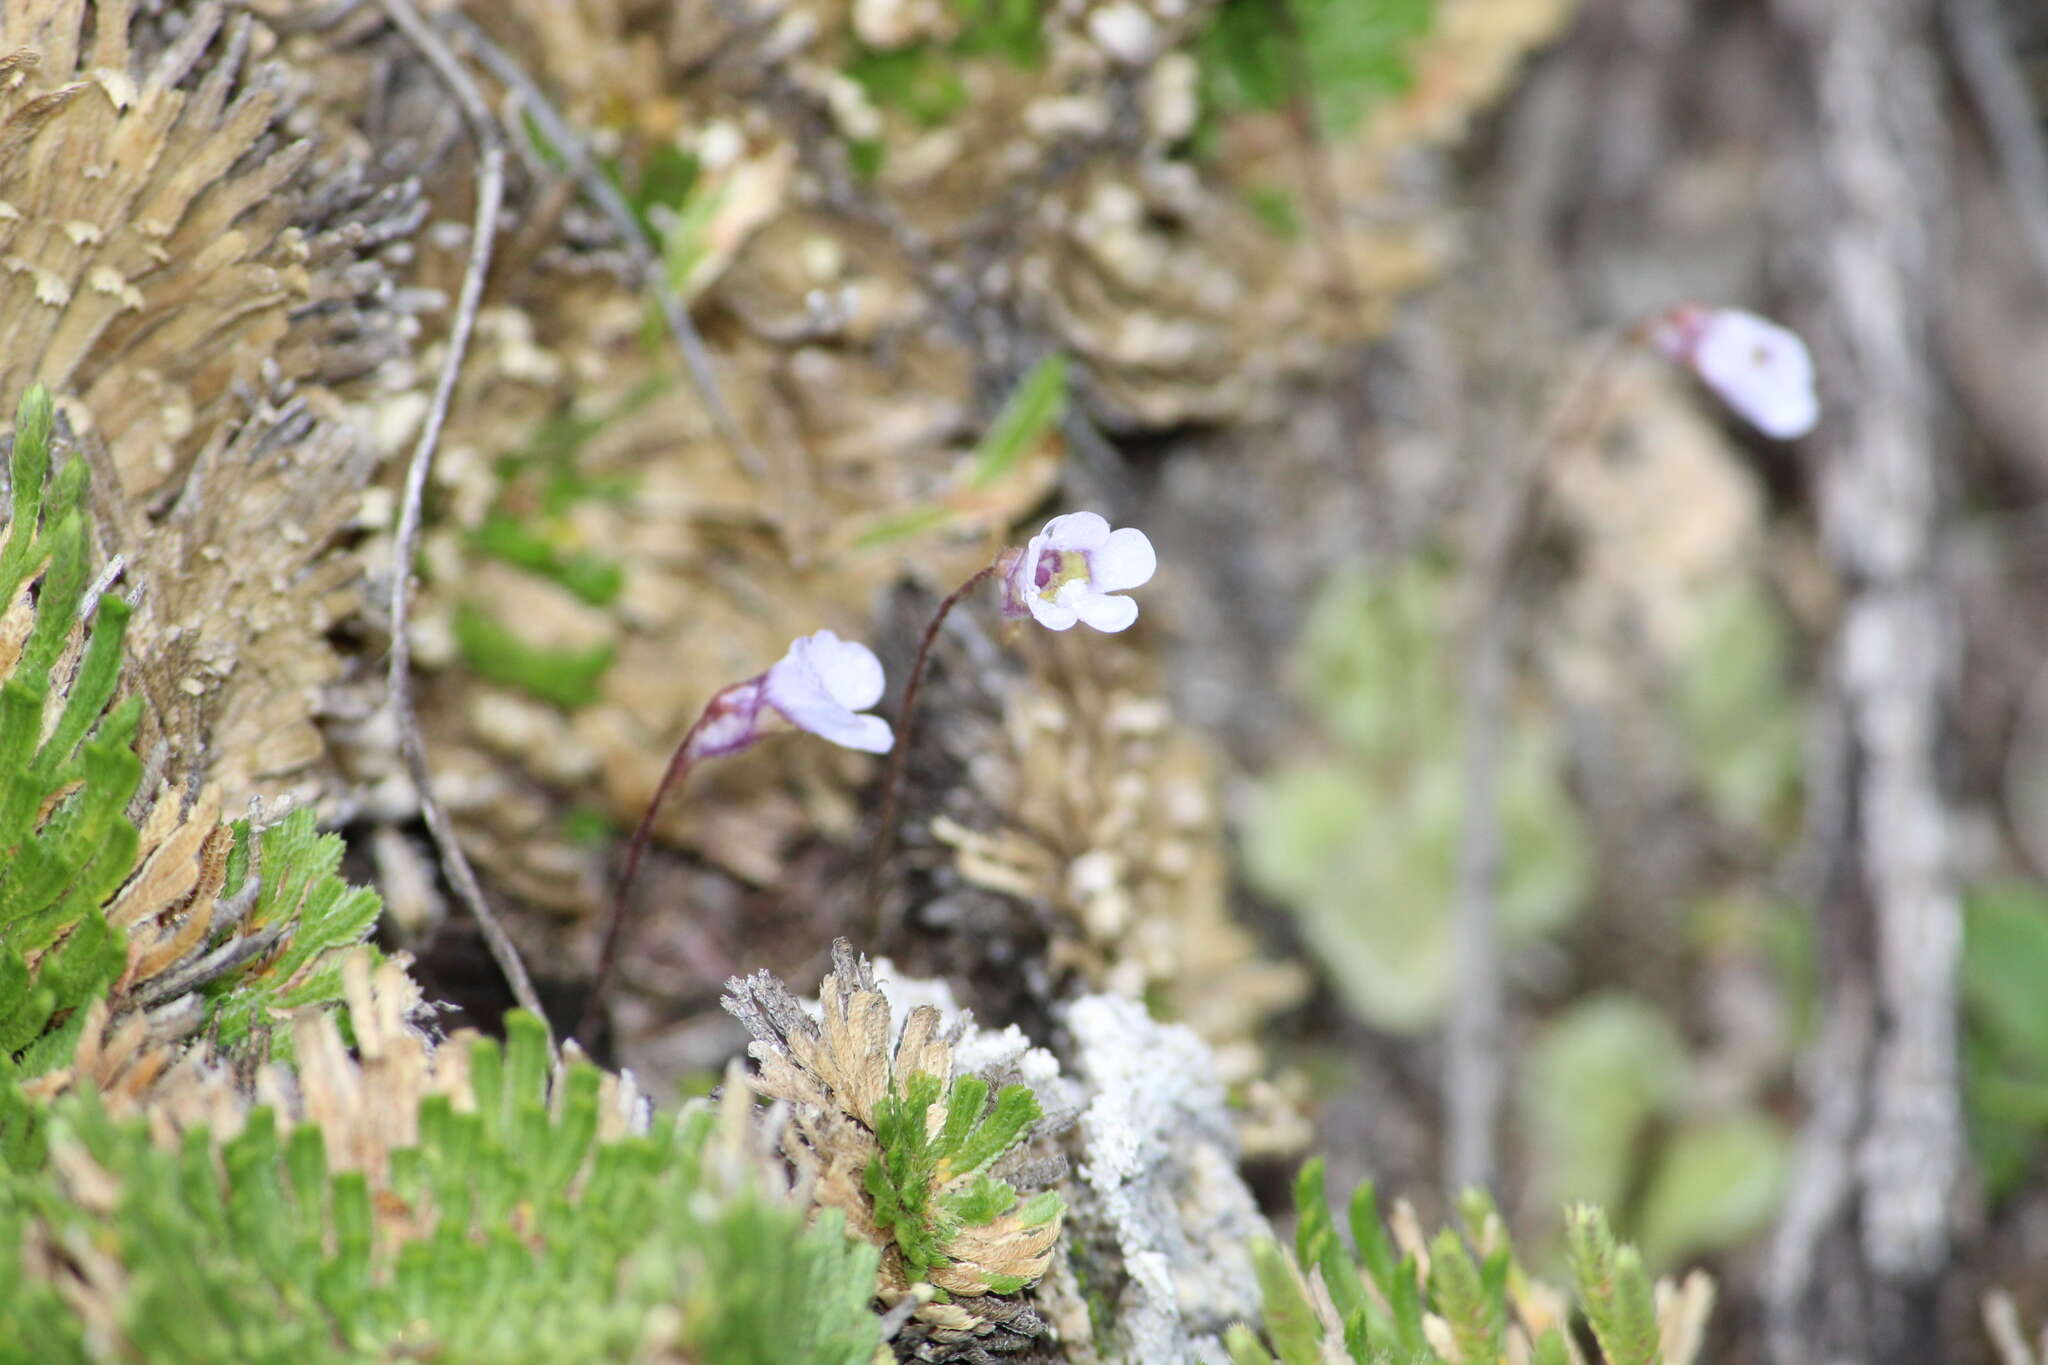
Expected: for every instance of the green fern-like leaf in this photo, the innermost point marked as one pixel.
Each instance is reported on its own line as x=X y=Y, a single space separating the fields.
x=300 y=886
x=66 y=778
x=927 y=1185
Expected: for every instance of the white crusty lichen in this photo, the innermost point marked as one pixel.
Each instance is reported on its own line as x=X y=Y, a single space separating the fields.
x=1158 y=1181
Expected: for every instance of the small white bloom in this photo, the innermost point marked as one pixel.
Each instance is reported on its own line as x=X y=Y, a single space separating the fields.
x=1071 y=570
x=822 y=683
x=1760 y=370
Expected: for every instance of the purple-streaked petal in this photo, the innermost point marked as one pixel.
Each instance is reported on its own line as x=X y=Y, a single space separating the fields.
x=1125 y=560
x=732 y=721
x=1019 y=586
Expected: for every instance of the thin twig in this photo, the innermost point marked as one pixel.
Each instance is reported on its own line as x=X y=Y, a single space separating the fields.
x=1998 y=88
x=647 y=261
x=679 y=766
x=1473 y=1064
x=90 y=603
x=2002 y=1325
x=899 y=757
x=490 y=194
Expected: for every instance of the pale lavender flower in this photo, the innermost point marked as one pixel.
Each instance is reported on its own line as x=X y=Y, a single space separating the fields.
x=823 y=683
x=820 y=685
x=1073 y=570
x=1760 y=370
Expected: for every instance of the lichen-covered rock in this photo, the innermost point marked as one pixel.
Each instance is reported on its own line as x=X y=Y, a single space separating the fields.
x=1089 y=797
x=1163 y=1218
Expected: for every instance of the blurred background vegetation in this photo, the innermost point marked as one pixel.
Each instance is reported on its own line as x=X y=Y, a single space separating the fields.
x=1721 y=906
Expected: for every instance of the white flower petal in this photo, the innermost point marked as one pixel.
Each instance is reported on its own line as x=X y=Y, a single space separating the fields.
x=815 y=699
x=1076 y=531
x=1107 y=614
x=869 y=734
x=851 y=673
x=1054 y=613
x=1125 y=560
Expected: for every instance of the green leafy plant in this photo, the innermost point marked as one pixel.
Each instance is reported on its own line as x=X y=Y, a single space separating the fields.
x=1457 y=1299
x=2005 y=1029
x=66 y=843
x=928 y=1184
x=298 y=886
x=495 y=652
x=509 y=1231
x=1603 y=1105
x=1361 y=843
x=1256 y=55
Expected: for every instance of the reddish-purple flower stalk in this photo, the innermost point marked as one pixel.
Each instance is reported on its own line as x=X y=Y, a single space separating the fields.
x=899 y=758
x=821 y=685
x=622 y=899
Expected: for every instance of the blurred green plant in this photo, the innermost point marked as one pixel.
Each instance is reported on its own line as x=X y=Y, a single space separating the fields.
x=1362 y=845
x=2005 y=1030
x=1603 y=1102
x=495 y=652
x=1257 y=55
x=592 y=578
x=925 y=80
x=1453 y=1299
x=510 y=1232
x=1737 y=711
x=1028 y=416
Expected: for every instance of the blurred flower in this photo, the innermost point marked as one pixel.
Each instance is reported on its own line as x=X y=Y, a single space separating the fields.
x=1072 y=570
x=820 y=685
x=1759 y=369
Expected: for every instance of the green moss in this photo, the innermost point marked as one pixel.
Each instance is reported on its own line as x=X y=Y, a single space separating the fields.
x=508 y=1234
x=566 y=677
x=1256 y=55
x=590 y=577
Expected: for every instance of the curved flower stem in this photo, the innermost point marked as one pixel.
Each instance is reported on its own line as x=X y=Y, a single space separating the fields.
x=899 y=757
x=607 y=957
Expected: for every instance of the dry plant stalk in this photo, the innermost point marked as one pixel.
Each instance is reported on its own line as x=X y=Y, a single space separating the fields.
x=490 y=194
